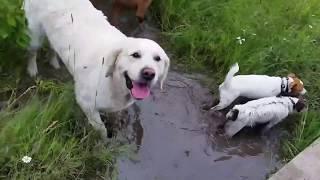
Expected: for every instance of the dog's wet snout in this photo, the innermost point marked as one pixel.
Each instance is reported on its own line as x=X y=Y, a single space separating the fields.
x=148 y=74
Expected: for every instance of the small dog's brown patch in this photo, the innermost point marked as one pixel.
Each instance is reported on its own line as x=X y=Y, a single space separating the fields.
x=296 y=86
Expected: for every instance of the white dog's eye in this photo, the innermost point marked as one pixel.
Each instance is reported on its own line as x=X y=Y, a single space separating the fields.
x=157 y=58
x=136 y=55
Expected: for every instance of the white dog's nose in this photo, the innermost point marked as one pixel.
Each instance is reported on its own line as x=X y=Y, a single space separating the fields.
x=148 y=74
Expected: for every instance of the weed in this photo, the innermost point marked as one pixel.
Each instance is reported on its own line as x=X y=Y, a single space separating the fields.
x=13 y=33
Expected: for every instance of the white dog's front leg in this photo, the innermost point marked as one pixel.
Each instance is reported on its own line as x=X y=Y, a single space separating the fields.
x=37 y=37
x=54 y=62
x=32 y=64
x=94 y=118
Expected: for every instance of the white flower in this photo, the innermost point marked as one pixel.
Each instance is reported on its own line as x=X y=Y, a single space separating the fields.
x=254 y=34
x=310 y=26
x=240 y=40
x=26 y=159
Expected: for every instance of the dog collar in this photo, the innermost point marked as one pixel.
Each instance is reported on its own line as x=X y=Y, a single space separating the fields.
x=284 y=85
x=293 y=103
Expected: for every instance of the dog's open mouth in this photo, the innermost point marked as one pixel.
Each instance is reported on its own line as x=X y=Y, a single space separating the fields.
x=139 y=90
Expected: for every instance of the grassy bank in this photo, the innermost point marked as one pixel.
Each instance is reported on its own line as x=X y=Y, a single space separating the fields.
x=265 y=37
x=50 y=128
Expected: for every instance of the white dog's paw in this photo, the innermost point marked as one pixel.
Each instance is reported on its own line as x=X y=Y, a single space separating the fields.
x=105 y=139
x=54 y=62
x=32 y=65
x=103 y=135
x=32 y=70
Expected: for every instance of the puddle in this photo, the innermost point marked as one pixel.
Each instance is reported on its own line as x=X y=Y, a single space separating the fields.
x=177 y=140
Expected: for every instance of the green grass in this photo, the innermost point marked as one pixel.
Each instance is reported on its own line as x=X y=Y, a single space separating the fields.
x=307 y=131
x=281 y=36
x=50 y=128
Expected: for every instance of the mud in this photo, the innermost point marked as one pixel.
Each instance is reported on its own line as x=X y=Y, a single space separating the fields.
x=176 y=139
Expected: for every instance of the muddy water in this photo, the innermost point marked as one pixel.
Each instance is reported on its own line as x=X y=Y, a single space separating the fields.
x=176 y=139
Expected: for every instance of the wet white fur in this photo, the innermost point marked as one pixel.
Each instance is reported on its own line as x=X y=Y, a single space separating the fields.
x=271 y=110
x=83 y=39
x=250 y=86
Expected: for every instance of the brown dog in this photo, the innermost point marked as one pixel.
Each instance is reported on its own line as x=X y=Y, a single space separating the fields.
x=118 y=6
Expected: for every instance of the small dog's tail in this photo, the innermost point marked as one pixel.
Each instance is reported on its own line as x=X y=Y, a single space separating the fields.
x=233 y=70
x=232 y=114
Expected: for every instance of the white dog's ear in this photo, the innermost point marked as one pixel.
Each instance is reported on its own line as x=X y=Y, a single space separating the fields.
x=165 y=72
x=112 y=61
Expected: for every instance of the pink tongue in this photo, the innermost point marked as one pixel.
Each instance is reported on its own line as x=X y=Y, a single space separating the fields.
x=140 y=91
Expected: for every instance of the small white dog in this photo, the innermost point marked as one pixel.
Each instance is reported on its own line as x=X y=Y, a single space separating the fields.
x=256 y=86
x=271 y=110
x=110 y=70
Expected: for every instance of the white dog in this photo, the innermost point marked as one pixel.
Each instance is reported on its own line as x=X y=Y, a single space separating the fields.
x=271 y=110
x=256 y=86
x=110 y=70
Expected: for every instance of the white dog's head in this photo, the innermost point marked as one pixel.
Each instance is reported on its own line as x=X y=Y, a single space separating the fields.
x=138 y=65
